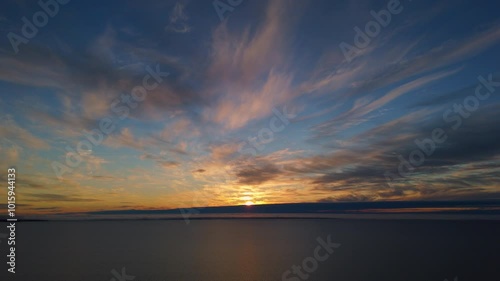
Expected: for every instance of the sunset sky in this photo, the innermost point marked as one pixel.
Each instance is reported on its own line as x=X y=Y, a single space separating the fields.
x=259 y=107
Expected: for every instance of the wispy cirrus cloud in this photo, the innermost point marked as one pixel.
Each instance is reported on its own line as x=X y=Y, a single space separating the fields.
x=363 y=107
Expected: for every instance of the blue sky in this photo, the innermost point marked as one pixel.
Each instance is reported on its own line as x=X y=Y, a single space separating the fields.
x=212 y=129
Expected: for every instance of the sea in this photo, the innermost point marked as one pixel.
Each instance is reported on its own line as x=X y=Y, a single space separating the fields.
x=254 y=250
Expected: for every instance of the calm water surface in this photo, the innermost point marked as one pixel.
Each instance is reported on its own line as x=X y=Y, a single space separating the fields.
x=252 y=249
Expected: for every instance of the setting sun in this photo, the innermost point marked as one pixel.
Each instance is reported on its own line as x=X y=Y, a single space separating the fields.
x=249 y=203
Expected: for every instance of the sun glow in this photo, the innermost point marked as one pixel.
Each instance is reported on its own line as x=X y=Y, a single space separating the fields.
x=249 y=203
